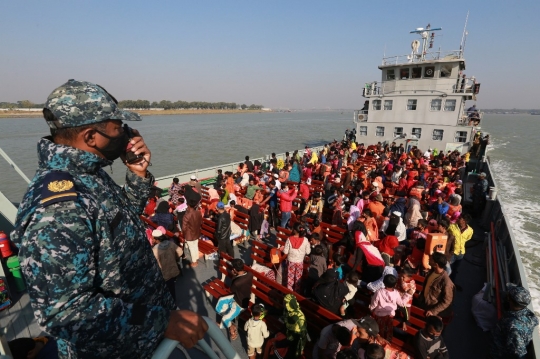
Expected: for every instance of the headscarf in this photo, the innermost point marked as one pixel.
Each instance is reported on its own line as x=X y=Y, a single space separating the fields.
x=163 y=207
x=213 y=194
x=294 y=173
x=295 y=323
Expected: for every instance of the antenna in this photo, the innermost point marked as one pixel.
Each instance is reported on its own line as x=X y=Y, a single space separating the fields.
x=426 y=41
x=464 y=36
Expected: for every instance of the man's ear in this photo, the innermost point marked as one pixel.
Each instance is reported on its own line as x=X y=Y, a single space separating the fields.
x=89 y=137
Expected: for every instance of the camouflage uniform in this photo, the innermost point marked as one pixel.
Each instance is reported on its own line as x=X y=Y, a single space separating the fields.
x=513 y=332
x=93 y=281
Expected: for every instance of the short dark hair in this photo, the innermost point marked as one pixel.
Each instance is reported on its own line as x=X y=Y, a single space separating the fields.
x=318 y=250
x=467 y=218
x=315 y=236
x=374 y=351
x=256 y=310
x=422 y=222
x=353 y=277
x=247 y=158
x=444 y=223
x=175 y=180
x=368 y=212
x=435 y=322
x=408 y=270
x=439 y=259
x=389 y=281
x=237 y=264
x=338 y=259
x=343 y=335
x=69 y=134
x=192 y=202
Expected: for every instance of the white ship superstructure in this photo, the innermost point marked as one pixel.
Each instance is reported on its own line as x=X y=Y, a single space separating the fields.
x=420 y=100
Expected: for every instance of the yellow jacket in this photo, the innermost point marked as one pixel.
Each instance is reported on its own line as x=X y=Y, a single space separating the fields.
x=461 y=237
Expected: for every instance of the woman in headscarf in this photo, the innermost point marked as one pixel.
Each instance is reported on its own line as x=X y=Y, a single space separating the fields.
x=296 y=327
x=229 y=185
x=413 y=213
x=163 y=216
x=314 y=159
x=214 y=199
x=294 y=173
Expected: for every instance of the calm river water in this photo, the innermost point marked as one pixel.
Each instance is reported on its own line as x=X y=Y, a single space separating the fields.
x=182 y=143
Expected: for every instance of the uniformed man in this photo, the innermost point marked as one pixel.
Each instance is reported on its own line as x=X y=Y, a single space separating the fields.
x=93 y=281
x=514 y=331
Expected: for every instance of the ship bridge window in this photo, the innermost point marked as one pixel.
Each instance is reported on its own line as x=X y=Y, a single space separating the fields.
x=450 y=105
x=379 y=131
x=404 y=73
x=390 y=74
x=411 y=105
x=438 y=135
x=417 y=132
x=436 y=104
x=461 y=136
x=446 y=70
x=429 y=71
x=388 y=104
x=416 y=72
x=376 y=104
x=363 y=131
x=398 y=131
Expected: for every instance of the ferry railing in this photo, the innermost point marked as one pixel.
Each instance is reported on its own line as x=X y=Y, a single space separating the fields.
x=211 y=172
x=417 y=58
x=496 y=213
x=468 y=121
x=167 y=346
x=467 y=86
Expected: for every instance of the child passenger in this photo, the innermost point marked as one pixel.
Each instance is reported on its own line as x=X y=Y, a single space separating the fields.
x=406 y=287
x=256 y=332
x=384 y=304
x=352 y=282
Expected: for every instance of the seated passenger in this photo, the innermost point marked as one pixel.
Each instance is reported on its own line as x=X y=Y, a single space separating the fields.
x=328 y=292
x=351 y=281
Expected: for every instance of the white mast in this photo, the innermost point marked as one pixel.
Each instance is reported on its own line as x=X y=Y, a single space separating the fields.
x=464 y=36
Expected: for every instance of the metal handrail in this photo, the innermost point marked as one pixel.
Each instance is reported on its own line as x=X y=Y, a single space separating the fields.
x=166 y=346
x=430 y=56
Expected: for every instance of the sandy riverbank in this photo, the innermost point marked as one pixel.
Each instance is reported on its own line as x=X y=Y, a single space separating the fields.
x=28 y=114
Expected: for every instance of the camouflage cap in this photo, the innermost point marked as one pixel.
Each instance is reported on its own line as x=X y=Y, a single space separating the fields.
x=519 y=295
x=79 y=103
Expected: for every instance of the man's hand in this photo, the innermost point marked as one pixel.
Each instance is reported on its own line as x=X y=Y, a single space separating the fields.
x=138 y=146
x=429 y=313
x=186 y=327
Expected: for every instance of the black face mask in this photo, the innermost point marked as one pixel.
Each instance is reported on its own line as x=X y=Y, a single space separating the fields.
x=116 y=146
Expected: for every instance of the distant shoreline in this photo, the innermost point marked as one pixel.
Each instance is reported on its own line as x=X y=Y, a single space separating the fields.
x=38 y=114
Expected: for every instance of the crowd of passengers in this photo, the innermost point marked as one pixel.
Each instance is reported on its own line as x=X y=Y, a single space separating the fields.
x=386 y=199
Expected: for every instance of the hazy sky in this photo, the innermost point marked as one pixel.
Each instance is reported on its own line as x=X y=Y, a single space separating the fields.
x=281 y=54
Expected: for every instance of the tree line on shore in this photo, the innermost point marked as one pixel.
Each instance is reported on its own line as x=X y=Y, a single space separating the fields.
x=185 y=105
x=146 y=105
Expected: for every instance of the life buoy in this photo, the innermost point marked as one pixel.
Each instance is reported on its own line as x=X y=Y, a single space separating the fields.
x=429 y=72
x=360 y=117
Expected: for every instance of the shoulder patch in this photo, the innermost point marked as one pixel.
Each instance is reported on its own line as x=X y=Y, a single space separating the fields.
x=57 y=187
